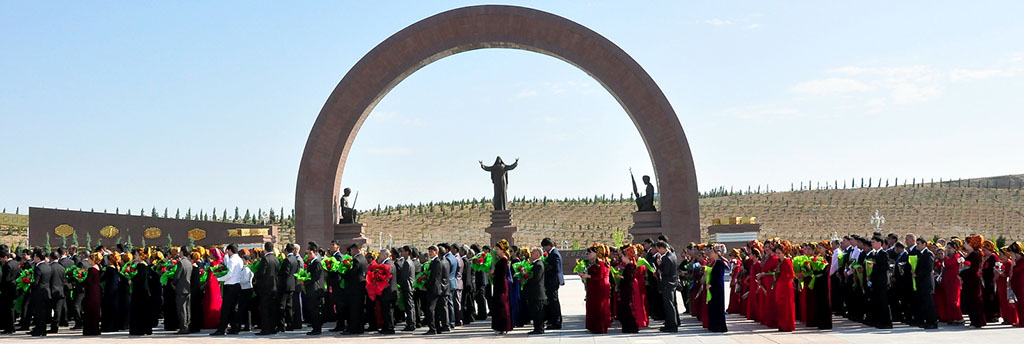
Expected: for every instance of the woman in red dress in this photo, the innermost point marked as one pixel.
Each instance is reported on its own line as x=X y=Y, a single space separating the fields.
x=753 y=286
x=734 y=283
x=768 y=298
x=784 y=304
x=1017 y=280
x=93 y=297
x=940 y=288
x=1003 y=269
x=971 y=294
x=951 y=282
x=598 y=291
x=632 y=309
x=212 y=300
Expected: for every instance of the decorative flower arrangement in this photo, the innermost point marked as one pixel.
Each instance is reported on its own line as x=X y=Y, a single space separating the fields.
x=644 y=263
x=523 y=271
x=129 y=270
x=913 y=268
x=219 y=270
x=330 y=264
x=377 y=278
x=204 y=274
x=481 y=262
x=25 y=280
x=818 y=266
x=616 y=274
x=75 y=274
x=422 y=277
x=580 y=268
x=707 y=281
x=344 y=265
x=255 y=265
x=167 y=271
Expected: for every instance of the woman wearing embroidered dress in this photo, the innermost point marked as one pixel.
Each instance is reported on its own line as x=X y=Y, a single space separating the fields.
x=785 y=308
x=716 y=290
x=735 y=301
x=598 y=289
x=767 y=298
x=212 y=300
x=971 y=293
x=141 y=322
x=1017 y=280
x=501 y=317
x=632 y=307
x=950 y=280
x=93 y=297
x=109 y=318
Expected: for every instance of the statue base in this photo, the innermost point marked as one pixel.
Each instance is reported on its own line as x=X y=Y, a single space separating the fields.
x=646 y=225
x=348 y=234
x=501 y=227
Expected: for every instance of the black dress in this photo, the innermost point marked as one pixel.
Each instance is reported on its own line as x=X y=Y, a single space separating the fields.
x=501 y=318
x=624 y=308
x=198 y=294
x=110 y=308
x=716 y=307
x=92 y=303
x=988 y=288
x=124 y=301
x=141 y=322
x=156 y=298
x=970 y=293
x=822 y=293
x=171 y=321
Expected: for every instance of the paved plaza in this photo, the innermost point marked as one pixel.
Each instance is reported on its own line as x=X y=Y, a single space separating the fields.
x=740 y=331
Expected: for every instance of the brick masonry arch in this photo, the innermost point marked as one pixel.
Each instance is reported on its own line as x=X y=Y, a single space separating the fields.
x=493 y=26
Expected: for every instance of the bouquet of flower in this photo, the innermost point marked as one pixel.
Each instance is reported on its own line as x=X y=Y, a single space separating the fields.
x=644 y=263
x=330 y=264
x=422 y=277
x=523 y=272
x=129 y=270
x=204 y=274
x=345 y=264
x=25 y=280
x=303 y=275
x=614 y=273
x=580 y=268
x=377 y=278
x=255 y=265
x=913 y=268
x=167 y=271
x=964 y=263
x=707 y=281
x=75 y=274
x=818 y=266
x=481 y=262
x=800 y=264
x=219 y=270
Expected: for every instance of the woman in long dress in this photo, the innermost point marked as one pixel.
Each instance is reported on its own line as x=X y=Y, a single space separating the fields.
x=988 y=280
x=519 y=318
x=951 y=282
x=141 y=321
x=632 y=307
x=1017 y=280
x=753 y=289
x=971 y=294
x=767 y=297
x=196 y=321
x=598 y=289
x=785 y=308
x=501 y=315
x=109 y=308
x=93 y=297
x=822 y=289
x=124 y=295
x=716 y=287
x=735 y=278
x=212 y=300
x=1003 y=270
x=940 y=289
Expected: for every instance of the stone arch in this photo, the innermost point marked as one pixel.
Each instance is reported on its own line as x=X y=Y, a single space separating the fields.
x=494 y=26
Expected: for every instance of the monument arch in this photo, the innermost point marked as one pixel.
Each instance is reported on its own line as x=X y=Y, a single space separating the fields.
x=496 y=26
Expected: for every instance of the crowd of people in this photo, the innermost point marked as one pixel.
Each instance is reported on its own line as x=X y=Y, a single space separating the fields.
x=875 y=280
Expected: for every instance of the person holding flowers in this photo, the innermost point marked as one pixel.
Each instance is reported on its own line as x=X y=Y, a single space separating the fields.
x=8 y=289
x=970 y=274
x=501 y=281
x=138 y=272
x=598 y=289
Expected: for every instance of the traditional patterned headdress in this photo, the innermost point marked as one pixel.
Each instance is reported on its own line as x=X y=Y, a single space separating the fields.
x=502 y=245
x=1016 y=247
x=990 y=245
x=976 y=241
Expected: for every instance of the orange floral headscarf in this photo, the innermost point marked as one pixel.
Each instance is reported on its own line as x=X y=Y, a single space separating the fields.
x=976 y=241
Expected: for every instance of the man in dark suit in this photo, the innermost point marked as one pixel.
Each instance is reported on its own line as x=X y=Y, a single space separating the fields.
x=878 y=286
x=289 y=303
x=534 y=291
x=266 y=283
x=182 y=282
x=405 y=279
x=58 y=284
x=437 y=290
x=9 y=272
x=668 y=281
x=314 y=288
x=77 y=297
x=388 y=296
x=468 y=285
x=355 y=290
x=483 y=288
x=453 y=268
x=41 y=293
x=336 y=291
x=925 y=300
x=552 y=280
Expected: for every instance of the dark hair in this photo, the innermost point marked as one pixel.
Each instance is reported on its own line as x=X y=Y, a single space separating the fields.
x=649 y=241
x=592 y=249
x=900 y=245
x=335 y=242
x=893 y=236
x=38 y=253
x=407 y=249
x=547 y=242
x=312 y=246
x=662 y=244
x=922 y=241
x=53 y=255
x=60 y=251
x=487 y=248
x=185 y=251
x=662 y=237
x=4 y=250
x=232 y=248
x=432 y=248
x=268 y=246
x=877 y=238
x=289 y=248
x=353 y=246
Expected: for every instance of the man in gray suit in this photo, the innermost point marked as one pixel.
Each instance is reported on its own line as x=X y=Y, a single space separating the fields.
x=406 y=279
x=182 y=288
x=668 y=271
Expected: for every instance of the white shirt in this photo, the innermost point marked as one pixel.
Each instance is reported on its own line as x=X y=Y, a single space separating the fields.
x=246 y=278
x=234 y=275
x=835 y=261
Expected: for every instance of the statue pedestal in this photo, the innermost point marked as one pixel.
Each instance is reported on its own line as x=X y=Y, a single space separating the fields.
x=347 y=234
x=501 y=227
x=646 y=225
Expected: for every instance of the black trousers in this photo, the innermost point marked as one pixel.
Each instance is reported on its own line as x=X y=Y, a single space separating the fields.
x=7 y=310
x=482 y=296
x=75 y=306
x=270 y=311
x=468 y=307
x=552 y=308
x=411 y=314
x=244 y=308
x=286 y=309
x=311 y=305
x=838 y=291
x=434 y=306
x=354 y=302
x=387 y=314
x=229 y=309
x=340 y=315
x=671 y=309
x=537 y=310
x=41 y=308
x=59 y=312
x=925 y=309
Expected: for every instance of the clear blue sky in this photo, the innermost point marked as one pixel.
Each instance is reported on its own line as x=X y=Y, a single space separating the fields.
x=203 y=105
